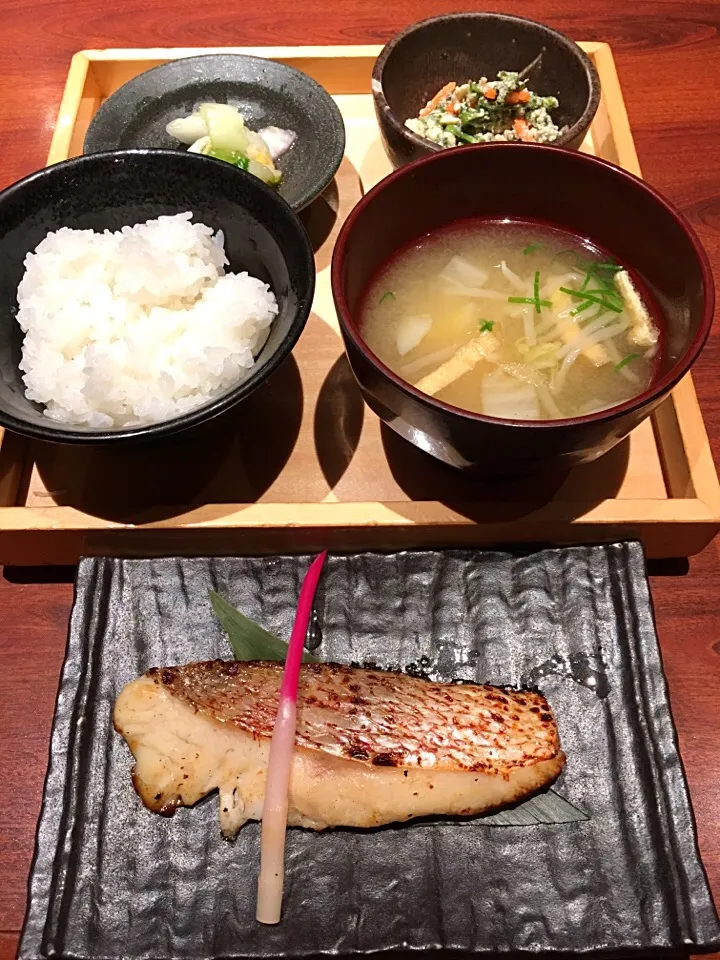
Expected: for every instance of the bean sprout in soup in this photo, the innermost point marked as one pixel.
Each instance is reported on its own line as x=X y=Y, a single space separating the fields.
x=513 y=320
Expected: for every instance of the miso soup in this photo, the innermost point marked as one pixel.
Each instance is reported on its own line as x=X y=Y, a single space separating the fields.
x=513 y=319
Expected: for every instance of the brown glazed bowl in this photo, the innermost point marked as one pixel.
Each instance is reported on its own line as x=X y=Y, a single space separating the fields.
x=416 y=63
x=589 y=197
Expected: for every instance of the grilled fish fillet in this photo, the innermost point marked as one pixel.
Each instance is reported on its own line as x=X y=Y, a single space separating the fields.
x=372 y=746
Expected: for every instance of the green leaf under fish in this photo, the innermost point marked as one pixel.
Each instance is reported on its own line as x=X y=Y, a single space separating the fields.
x=547 y=808
x=249 y=641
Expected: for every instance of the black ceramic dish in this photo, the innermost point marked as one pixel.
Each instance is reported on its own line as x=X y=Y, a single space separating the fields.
x=111 y=880
x=416 y=63
x=589 y=197
x=267 y=93
x=108 y=191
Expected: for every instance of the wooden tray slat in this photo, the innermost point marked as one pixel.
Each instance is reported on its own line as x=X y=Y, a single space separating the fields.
x=303 y=463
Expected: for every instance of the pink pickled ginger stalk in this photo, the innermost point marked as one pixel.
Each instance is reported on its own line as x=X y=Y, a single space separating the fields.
x=275 y=809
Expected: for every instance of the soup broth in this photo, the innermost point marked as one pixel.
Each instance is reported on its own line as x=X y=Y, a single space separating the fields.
x=513 y=320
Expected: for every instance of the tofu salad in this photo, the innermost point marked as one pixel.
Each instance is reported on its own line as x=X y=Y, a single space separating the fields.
x=487 y=110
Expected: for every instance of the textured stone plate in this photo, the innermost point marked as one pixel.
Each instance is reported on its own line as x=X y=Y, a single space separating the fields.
x=111 y=880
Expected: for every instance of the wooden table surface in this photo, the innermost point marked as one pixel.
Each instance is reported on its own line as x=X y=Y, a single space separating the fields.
x=668 y=57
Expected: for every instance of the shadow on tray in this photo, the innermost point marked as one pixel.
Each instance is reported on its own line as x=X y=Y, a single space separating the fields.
x=320 y=217
x=338 y=421
x=424 y=478
x=323 y=217
x=240 y=453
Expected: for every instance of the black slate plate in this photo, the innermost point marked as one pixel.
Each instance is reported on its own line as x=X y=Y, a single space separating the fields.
x=111 y=880
x=267 y=94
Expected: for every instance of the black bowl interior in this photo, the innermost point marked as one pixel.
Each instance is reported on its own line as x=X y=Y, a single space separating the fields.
x=591 y=198
x=267 y=93
x=465 y=47
x=109 y=191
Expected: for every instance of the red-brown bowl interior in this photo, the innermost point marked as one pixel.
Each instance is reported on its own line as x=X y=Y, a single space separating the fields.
x=587 y=196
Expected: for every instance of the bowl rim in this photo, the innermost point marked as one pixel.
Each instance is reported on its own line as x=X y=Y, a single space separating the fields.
x=331 y=159
x=578 y=128
x=64 y=433
x=655 y=391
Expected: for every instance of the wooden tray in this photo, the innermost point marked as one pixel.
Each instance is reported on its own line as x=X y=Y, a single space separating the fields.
x=303 y=463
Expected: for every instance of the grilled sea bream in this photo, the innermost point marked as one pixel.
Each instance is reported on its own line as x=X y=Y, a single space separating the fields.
x=372 y=746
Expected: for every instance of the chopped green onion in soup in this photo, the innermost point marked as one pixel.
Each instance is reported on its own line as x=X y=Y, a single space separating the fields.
x=513 y=320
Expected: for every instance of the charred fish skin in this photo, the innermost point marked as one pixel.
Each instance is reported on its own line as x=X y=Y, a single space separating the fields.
x=372 y=746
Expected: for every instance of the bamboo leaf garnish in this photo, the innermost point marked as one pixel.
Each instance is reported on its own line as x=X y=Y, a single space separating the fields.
x=249 y=641
x=545 y=808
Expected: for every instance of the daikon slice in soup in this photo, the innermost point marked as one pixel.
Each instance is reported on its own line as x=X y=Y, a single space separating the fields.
x=513 y=319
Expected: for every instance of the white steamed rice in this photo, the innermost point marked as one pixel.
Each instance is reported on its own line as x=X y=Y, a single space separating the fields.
x=136 y=326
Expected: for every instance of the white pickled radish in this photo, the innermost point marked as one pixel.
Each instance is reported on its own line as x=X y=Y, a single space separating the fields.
x=410 y=332
x=460 y=271
x=453 y=289
x=527 y=374
x=225 y=126
x=505 y=396
x=199 y=145
x=187 y=129
x=278 y=141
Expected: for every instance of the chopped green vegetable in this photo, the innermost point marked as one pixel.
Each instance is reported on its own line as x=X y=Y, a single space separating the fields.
x=626 y=360
x=580 y=307
x=486 y=326
x=598 y=272
x=584 y=306
x=248 y=640
x=536 y=291
x=531 y=248
x=592 y=298
x=597 y=288
x=541 y=303
x=387 y=296
x=589 y=273
x=535 y=299
x=230 y=156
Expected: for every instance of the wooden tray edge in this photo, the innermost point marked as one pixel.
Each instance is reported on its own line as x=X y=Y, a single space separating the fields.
x=697 y=512
x=69 y=105
x=66 y=545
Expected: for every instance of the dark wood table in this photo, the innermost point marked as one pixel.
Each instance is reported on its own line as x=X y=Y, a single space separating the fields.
x=668 y=57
